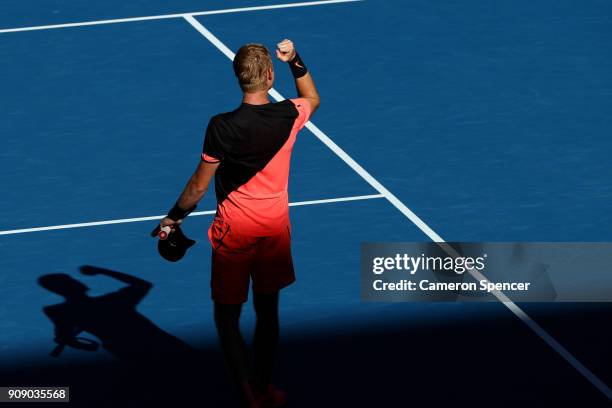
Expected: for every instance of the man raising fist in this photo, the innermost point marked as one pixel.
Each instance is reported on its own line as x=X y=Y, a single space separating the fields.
x=248 y=151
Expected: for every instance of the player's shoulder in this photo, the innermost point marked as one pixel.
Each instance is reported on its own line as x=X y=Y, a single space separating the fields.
x=300 y=103
x=284 y=103
x=221 y=123
x=290 y=106
x=223 y=117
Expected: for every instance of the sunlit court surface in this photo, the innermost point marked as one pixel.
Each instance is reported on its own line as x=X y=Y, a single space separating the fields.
x=471 y=121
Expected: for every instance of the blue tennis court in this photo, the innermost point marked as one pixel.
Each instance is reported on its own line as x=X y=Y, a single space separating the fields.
x=462 y=121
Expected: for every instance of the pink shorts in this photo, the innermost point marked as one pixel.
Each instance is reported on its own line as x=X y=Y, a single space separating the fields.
x=237 y=259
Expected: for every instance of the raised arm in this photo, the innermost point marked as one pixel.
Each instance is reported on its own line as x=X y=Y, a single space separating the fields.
x=132 y=294
x=120 y=276
x=303 y=80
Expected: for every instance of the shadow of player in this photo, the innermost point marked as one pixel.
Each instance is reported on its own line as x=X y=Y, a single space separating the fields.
x=150 y=356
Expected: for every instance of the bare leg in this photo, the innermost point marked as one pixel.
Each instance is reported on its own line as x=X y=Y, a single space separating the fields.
x=227 y=320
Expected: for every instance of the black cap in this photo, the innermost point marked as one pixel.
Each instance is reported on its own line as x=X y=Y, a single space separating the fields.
x=175 y=246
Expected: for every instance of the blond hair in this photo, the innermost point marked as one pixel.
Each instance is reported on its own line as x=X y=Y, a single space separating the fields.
x=251 y=65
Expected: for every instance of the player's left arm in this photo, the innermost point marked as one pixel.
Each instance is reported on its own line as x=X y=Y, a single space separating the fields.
x=192 y=194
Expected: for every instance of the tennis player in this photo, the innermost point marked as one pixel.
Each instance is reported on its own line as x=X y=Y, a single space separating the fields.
x=248 y=151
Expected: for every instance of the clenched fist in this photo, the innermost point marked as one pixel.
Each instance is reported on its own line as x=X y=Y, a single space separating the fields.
x=285 y=51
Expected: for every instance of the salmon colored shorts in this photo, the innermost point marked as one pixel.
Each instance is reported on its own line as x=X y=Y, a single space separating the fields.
x=238 y=258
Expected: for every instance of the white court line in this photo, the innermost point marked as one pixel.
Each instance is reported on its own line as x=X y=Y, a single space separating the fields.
x=193 y=214
x=167 y=16
x=518 y=312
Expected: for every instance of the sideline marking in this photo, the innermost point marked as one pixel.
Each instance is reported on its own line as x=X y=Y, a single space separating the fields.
x=195 y=213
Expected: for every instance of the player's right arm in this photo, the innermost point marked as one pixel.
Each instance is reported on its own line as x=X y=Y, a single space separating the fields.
x=304 y=83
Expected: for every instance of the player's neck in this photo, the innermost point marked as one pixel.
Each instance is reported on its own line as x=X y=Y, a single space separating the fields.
x=255 y=98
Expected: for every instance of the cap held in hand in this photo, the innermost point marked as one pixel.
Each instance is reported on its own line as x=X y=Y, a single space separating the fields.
x=173 y=245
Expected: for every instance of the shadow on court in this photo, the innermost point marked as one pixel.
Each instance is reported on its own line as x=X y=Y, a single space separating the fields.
x=152 y=365
x=480 y=362
x=112 y=318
